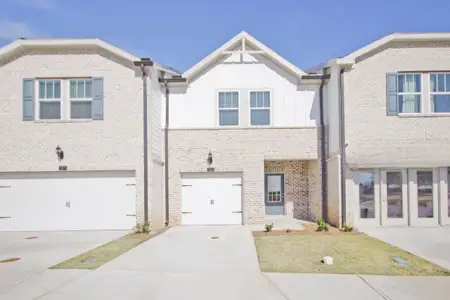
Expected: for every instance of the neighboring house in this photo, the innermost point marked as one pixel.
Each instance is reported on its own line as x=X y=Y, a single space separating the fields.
x=396 y=107
x=255 y=116
x=84 y=96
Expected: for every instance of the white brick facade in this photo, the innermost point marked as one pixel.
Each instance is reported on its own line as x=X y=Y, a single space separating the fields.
x=236 y=150
x=115 y=143
x=382 y=142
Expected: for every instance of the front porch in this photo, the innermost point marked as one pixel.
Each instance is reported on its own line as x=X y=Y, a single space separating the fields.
x=292 y=190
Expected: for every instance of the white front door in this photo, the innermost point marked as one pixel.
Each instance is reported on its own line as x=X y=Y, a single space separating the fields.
x=67 y=201
x=211 y=201
x=369 y=197
x=394 y=198
x=424 y=197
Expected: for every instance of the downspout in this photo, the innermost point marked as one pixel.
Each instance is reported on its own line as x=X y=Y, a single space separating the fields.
x=166 y=154
x=342 y=146
x=145 y=117
x=323 y=162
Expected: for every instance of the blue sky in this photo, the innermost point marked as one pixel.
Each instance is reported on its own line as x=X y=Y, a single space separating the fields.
x=179 y=33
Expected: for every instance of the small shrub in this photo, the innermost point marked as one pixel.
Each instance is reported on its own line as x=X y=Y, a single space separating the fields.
x=347 y=228
x=142 y=228
x=268 y=227
x=288 y=230
x=322 y=225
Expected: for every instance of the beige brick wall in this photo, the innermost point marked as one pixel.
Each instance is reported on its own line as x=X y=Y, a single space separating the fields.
x=334 y=191
x=114 y=143
x=375 y=139
x=315 y=190
x=296 y=185
x=236 y=150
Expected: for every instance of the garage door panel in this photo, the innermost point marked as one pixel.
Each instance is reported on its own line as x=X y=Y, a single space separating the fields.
x=211 y=201
x=73 y=203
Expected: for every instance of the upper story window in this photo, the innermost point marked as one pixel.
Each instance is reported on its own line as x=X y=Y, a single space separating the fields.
x=404 y=93
x=49 y=104
x=440 y=92
x=260 y=108
x=81 y=99
x=228 y=108
x=63 y=99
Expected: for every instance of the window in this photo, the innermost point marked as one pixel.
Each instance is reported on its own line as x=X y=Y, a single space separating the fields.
x=367 y=194
x=440 y=92
x=228 y=108
x=403 y=93
x=260 y=108
x=49 y=98
x=81 y=99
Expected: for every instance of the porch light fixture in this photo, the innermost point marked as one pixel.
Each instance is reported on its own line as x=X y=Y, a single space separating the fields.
x=210 y=159
x=59 y=153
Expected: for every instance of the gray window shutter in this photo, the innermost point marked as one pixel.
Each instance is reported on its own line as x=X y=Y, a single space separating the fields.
x=391 y=94
x=97 y=98
x=28 y=99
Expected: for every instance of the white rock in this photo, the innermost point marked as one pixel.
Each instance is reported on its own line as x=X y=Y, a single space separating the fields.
x=328 y=260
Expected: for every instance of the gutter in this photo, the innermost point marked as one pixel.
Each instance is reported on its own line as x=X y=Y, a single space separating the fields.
x=342 y=146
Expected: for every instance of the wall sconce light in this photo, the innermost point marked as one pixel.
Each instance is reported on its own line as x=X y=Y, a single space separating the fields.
x=59 y=153
x=209 y=160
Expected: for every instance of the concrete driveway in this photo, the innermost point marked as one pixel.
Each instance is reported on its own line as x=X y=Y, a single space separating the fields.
x=184 y=263
x=433 y=244
x=37 y=255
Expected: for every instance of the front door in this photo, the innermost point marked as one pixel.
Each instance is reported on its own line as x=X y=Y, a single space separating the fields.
x=394 y=196
x=424 y=197
x=274 y=194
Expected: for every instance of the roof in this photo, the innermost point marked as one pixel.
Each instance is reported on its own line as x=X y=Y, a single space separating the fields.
x=351 y=58
x=254 y=43
x=20 y=44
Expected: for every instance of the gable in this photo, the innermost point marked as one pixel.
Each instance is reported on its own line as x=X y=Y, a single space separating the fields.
x=242 y=45
x=21 y=46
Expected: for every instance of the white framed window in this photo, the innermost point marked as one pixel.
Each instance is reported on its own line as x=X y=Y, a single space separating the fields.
x=80 y=98
x=49 y=99
x=259 y=108
x=440 y=92
x=404 y=93
x=228 y=108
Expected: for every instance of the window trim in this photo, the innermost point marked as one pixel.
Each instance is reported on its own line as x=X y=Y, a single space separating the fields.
x=70 y=99
x=228 y=108
x=38 y=100
x=260 y=108
x=431 y=93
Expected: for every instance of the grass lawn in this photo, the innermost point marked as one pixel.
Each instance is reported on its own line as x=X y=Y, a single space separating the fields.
x=104 y=253
x=353 y=253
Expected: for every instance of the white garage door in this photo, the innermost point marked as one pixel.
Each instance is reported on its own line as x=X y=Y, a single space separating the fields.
x=67 y=201
x=211 y=201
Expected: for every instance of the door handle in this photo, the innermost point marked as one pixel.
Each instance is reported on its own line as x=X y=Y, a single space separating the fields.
x=212 y=201
x=5 y=217
x=68 y=204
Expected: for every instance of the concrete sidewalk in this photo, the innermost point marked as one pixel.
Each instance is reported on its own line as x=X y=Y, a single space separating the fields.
x=432 y=244
x=353 y=287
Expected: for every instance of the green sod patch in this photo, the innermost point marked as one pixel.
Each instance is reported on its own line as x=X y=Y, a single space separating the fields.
x=353 y=253
x=99 y=256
